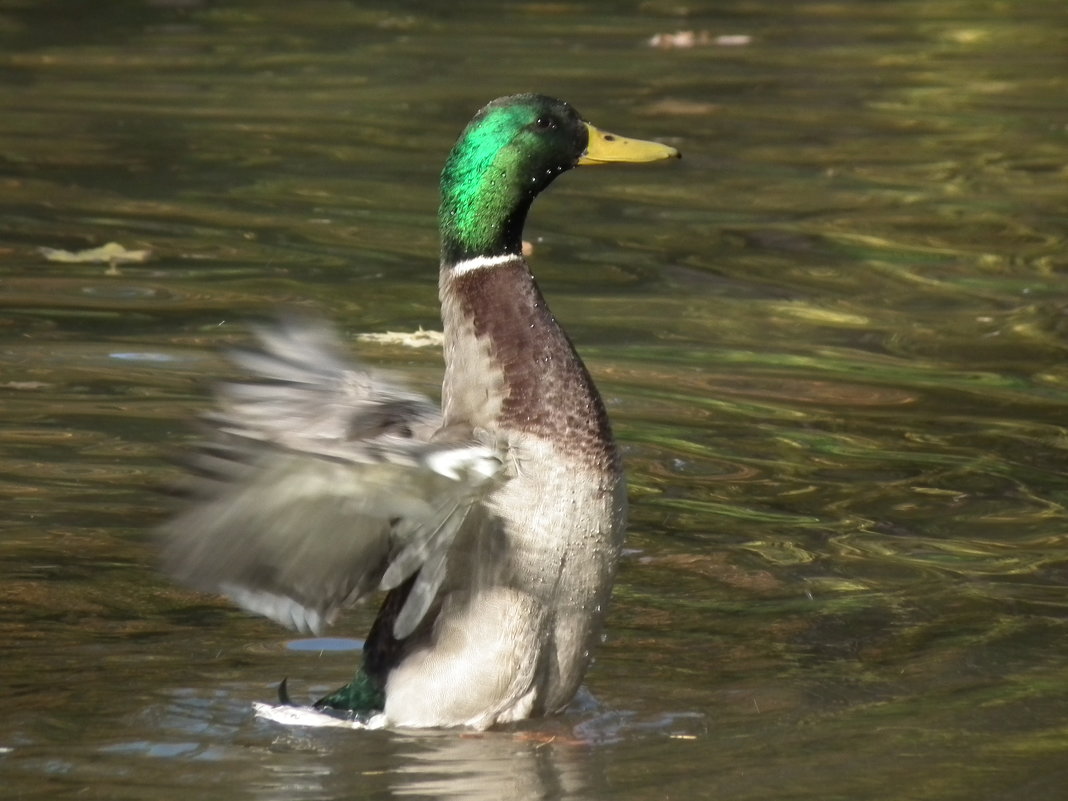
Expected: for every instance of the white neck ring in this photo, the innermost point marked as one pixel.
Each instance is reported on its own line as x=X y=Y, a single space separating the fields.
x=481 y=263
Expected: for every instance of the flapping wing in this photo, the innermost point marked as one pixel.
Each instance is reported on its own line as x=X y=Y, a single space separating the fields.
x=317 y=484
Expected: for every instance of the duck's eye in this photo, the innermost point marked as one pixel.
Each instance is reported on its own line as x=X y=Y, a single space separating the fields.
x=545 y=124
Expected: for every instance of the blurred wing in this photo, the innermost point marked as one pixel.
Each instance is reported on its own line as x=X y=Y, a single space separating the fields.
x=317 y=484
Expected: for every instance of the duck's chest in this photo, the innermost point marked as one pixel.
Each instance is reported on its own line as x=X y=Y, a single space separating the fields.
x=514 y=379
x=511 y=370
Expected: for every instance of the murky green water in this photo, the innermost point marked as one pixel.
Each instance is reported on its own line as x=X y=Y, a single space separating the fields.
x=833 y=339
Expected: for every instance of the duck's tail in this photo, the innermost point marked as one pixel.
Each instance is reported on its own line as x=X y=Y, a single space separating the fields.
x=362 y=695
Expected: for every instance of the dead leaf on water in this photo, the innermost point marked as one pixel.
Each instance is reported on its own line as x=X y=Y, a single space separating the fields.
x=409 y=339
x=670 y=106
x=111 y=253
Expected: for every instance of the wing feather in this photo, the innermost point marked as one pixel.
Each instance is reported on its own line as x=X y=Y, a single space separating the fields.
x=317 y=483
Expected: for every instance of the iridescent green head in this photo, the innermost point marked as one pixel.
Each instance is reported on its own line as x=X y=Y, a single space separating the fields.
x=512 y=149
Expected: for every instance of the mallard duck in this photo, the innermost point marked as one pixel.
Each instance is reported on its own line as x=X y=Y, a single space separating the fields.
x=493 y=523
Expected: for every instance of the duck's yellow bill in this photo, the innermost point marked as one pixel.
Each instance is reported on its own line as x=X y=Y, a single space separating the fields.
x=607 y=148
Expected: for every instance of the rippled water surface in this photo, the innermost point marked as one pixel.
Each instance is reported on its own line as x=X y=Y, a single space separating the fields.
x=832 y=338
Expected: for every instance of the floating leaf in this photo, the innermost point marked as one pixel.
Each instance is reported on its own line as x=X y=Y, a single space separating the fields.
x=111 y=253
x=409 y=339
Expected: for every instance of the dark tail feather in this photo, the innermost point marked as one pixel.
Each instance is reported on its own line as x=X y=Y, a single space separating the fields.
x=283 y=693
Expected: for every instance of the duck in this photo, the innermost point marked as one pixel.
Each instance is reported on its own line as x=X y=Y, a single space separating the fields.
x=492 y=522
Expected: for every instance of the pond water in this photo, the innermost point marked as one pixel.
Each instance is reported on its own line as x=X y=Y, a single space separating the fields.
x=832 y=338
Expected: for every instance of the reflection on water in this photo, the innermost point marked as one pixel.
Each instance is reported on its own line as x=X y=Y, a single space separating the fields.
x=833 y=343
x=210 y=742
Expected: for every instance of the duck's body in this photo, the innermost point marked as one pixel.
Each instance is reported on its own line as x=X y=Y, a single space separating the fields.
x=494 y=524
x=545 y=541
